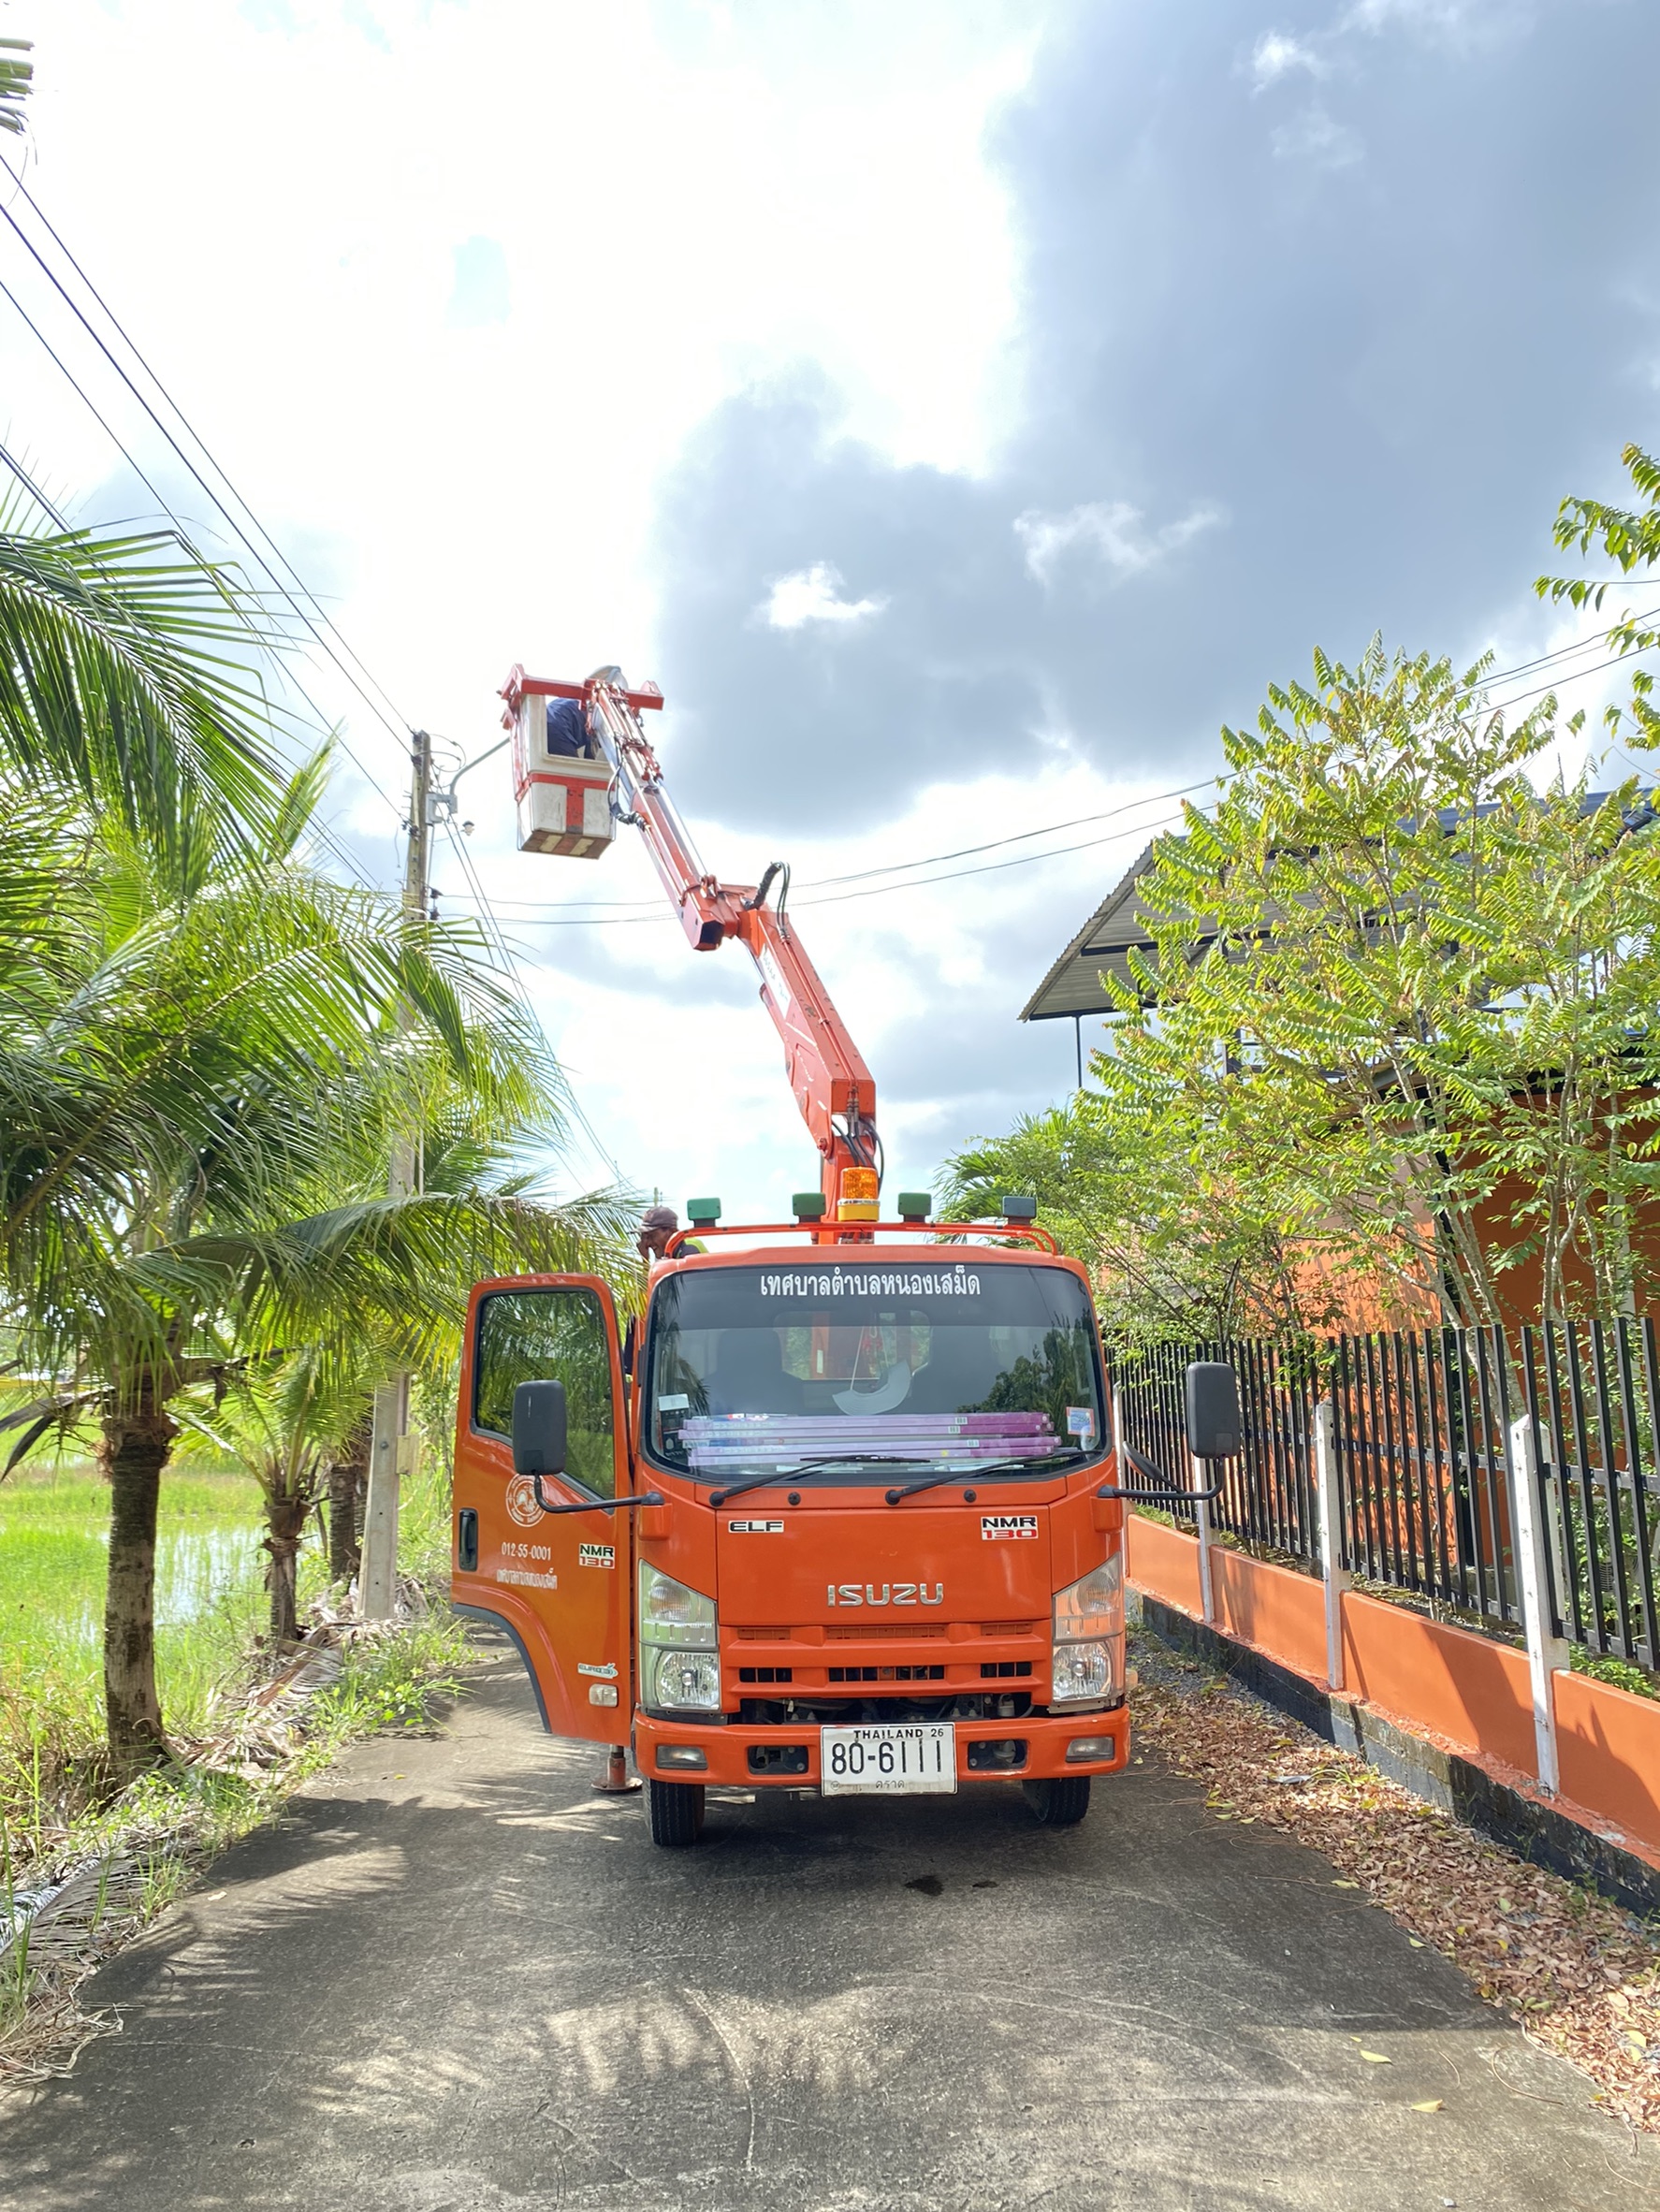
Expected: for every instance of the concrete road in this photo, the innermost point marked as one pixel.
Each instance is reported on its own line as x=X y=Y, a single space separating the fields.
x=453 y=1979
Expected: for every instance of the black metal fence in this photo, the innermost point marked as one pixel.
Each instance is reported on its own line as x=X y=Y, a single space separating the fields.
x=1426 y=1465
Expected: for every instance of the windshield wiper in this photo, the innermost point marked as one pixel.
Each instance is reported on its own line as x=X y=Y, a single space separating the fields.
x=840 y=1459
x=909 y=1489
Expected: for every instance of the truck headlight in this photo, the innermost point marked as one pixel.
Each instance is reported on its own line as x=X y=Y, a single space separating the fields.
x=679 y=1664
x=1081 y=1670
x=1088 y=1623
x=672 y=1614
x=686 y=1680
x=1089 y=1610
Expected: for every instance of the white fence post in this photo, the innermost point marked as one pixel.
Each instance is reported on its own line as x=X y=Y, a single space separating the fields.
x=1547 y=1653
x=1199 y=1477
x=1334 y=1573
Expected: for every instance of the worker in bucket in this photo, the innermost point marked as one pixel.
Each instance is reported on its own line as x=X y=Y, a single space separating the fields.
x=568 y=735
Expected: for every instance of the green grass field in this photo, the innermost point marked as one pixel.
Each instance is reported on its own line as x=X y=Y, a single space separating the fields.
x=209 y=1605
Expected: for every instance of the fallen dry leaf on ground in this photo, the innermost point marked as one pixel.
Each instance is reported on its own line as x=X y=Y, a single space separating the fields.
x=1578 y=1973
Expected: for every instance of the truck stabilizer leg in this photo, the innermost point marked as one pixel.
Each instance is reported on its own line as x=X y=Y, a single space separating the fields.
x=615 y=1782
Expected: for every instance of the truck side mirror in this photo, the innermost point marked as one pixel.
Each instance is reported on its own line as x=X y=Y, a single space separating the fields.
x=1215 y=1429
x=539 y=1428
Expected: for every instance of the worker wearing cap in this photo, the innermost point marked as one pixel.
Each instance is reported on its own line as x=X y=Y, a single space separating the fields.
x=657 y=1225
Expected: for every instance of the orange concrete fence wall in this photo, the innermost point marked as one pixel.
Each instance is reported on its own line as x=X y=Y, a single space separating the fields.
x=1468 y=1691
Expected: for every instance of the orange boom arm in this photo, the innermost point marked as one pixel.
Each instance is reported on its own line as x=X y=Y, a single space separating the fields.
x=832 y=1084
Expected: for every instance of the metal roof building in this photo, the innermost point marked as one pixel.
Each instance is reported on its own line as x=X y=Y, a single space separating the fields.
x=1072 y=990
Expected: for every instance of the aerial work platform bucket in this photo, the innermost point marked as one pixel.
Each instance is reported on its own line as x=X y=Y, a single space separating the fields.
x=564 y=801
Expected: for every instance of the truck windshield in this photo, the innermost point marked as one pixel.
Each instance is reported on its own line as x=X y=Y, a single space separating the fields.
x=944 y=1364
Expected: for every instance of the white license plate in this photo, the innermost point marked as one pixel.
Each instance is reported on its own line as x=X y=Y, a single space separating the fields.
x=888 y=1759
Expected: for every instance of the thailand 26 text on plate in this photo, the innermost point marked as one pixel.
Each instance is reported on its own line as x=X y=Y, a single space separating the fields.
x=889 y=1759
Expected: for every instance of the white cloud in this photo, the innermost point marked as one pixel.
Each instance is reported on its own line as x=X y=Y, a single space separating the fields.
x=812 y=595
x=1106 y=531
x=1443 y=19
x=1275 y=55
x=1316 y=138
x=481 y=293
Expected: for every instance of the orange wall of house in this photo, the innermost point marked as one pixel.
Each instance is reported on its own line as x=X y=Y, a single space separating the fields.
x=1522 y=1288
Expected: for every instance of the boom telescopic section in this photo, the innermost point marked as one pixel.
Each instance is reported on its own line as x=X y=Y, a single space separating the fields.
x=569 y=802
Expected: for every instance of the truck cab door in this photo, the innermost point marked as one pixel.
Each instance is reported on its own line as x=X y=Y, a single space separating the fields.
x=558 y=1584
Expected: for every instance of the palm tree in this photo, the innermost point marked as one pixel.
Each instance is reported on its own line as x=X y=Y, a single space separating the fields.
x=131 y=681
x=181 y=1079
x=15 y=78
x=206 y=1048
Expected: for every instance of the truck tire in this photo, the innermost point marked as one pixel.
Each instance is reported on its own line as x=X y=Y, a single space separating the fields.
x=1060 y=1803
x=675 y=1809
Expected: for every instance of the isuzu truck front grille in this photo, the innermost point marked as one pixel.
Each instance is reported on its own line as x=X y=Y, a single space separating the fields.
x=808 y=1711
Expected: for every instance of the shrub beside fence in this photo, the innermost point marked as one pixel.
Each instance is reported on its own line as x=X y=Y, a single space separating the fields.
x=1425 y=1449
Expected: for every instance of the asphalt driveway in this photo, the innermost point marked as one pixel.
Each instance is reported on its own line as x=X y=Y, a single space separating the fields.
x=454 y=1980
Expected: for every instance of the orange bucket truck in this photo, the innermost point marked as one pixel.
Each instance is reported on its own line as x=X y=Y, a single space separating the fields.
x=855 y=1524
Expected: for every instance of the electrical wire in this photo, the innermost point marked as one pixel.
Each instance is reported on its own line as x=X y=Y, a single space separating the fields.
x=319 y=721
x=397 y=723
x=650 y=908
x=874 y=891
x=385 y=709
x=496 y=939
x=1614 y=661
x=33 y=489
x=186 y=540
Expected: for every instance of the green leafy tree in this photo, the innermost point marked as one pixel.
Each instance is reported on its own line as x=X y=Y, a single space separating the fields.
x=1401 y=996
x=1125 y=1184
x=205 y=1049
x=1630 y=537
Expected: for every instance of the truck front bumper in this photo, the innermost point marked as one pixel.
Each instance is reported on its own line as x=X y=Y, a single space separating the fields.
x=726 y=1749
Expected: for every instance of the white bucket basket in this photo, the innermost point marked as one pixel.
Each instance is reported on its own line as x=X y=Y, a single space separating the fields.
x=564 y=805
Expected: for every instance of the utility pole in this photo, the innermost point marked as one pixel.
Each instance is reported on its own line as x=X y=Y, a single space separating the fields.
x=388 y=1452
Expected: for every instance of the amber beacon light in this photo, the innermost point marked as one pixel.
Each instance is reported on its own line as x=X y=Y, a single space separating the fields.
x=859 y=1200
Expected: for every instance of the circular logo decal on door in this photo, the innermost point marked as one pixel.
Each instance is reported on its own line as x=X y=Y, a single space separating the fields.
x=521 y=1502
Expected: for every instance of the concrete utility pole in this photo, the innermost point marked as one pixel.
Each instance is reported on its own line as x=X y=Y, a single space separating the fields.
x=377 y=1581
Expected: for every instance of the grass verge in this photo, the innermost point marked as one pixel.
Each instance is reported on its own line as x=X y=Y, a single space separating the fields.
x=84 y=1868
x=63 y=1914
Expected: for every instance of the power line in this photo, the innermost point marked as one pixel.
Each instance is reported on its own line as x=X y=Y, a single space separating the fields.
x=651 y=909
x=495 y=936
x=325 y=834
x=875 y=890
x=182 y=533
x=393 y=721
x=320 y=721
x=33 y=489
x=1614 y=661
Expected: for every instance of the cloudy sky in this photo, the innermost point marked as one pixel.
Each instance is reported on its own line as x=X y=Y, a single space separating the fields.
x=961 y=409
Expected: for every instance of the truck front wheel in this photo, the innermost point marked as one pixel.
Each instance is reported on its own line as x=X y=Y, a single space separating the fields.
x=675 y=1809
x=1059 y=1803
